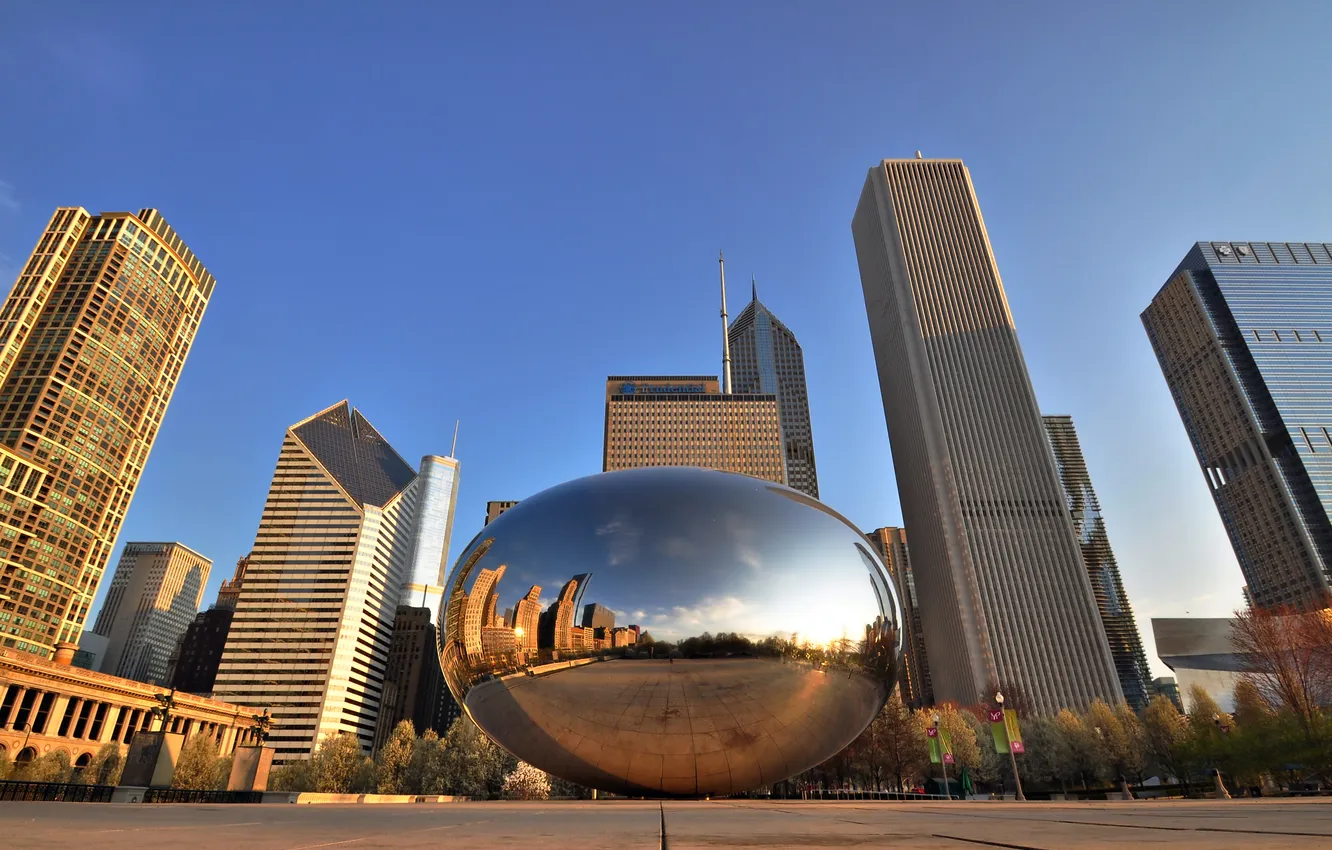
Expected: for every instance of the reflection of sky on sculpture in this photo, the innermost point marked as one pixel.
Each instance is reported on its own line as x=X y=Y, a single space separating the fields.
x=685 y=551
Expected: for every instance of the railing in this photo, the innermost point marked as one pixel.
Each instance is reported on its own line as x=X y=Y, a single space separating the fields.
x=65 y=792
x=196 y=795
x=849 y=794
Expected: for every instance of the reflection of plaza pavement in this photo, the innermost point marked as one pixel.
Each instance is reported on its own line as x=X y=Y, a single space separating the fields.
x=692 y=727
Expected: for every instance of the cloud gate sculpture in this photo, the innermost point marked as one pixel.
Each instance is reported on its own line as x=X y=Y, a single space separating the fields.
x=671 y=631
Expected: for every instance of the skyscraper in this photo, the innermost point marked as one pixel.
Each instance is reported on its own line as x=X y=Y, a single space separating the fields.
x=479 y=609
x=414 y=687
x=92 y=340
x=766 y=360
x=495 y=509
x=688 y=421
x=229 y=593
x=1004 y=597
x=1243 y=333
x=526 y=620
x=916 y=688
x=431 y=532
x=153 y=597
x=193 y=666
x=1121 y=630
x=314 y=622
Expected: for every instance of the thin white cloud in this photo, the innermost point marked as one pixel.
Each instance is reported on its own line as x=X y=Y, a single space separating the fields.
x=8 y=198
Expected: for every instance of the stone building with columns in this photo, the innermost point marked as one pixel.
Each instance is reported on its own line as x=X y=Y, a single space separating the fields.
x=47 y=705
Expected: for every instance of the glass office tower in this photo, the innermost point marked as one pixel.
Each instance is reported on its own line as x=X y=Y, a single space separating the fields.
x=768 y=361
x=1243 y=333
x=1121 y=629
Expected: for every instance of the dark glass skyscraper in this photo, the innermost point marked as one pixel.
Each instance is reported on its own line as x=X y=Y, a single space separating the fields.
x=1121 y=630
x=767 y=360
x=1243 y=332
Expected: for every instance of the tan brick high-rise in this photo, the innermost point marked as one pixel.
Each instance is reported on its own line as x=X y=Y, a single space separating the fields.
x=92 y=340
x=688 y=421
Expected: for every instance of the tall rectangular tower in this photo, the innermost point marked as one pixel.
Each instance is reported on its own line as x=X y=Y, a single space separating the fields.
x=314 y=621
x=92 y=340
x=688 y=421
x=916 y=687
x=767 y=360
x=1121 y=629
x=1243 y=333
x=154 y=594
x=1004 y=596
x=431 y=532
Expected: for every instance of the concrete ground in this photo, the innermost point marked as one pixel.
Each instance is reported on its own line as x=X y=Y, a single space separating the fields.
x=622 y=825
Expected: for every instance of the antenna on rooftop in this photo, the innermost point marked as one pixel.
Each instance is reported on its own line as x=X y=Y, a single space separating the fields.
x=726 y=328
x=453 y=451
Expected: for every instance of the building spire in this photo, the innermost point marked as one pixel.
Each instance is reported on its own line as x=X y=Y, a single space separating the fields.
x=453 y=452
x=753 y=288
x=726 y=330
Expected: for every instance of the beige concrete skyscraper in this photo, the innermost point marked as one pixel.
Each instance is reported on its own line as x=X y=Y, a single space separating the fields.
x=334 y=551
x=154 y=594
x=92 y=340
x=1004 y=596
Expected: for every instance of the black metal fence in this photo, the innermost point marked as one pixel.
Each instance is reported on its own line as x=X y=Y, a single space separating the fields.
x=64 y=792
x=194 y=795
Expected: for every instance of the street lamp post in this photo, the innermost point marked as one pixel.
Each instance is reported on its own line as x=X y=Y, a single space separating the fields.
x=943 y=765
x=1012 y=757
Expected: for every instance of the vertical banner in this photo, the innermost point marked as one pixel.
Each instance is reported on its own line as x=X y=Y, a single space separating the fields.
x=932 y=735
x=1004 y=728
x=941 y=747
x=1014 y=733
x=998 y=730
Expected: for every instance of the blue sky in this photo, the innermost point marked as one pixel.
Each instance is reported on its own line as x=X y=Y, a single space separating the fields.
x=478 y=211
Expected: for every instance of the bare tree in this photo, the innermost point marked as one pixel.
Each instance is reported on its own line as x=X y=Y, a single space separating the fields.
x=1287 y=654
x=892 y=746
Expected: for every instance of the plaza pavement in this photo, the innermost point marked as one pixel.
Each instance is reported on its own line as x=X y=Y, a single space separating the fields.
x=622 y=825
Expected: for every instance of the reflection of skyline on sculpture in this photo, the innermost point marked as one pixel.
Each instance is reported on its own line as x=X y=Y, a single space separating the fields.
x=671 y=630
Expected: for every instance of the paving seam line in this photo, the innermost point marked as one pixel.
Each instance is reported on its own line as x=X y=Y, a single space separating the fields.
x=1259 y=831
x=986 y=843
x=662 y=835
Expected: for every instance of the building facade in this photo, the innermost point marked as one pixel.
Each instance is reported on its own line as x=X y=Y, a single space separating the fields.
x=193 y=667
x=916 y=688
x=431 y=534
x=93 y=337
x=414 y=686
x=494 y=509
x=1243 y=333
x=1199 y=652
x=598 y=616
x=46 y=706
x=154 y=595
x=314 y=622
x=229 y=593
x=767 y=360
x=688 y=421
x=1121 y=629
x=1004 y=598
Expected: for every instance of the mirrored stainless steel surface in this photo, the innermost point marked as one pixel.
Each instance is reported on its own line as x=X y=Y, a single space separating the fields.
x=671 y=631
